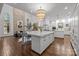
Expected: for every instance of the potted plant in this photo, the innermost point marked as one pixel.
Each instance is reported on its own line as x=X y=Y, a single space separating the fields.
x=35 y=27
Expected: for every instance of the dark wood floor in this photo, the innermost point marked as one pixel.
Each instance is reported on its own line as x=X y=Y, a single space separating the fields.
x=9 y=46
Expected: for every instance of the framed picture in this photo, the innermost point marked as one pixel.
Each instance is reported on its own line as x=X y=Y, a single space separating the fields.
x=60 y=25
x=67 y=25
x=20 y=24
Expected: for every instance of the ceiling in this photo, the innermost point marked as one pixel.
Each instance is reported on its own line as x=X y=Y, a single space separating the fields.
x=52 y=9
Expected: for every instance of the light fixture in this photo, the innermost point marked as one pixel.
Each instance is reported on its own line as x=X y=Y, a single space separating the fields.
x=40 y=14
x=66 y=8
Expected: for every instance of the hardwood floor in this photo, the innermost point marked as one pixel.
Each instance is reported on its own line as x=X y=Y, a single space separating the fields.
x=9 y=46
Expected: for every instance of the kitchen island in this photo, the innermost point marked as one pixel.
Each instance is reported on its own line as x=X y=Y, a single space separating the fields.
x=41 y=40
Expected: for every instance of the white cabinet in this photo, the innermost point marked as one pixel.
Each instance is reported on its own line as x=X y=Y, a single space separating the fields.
x=75 y=34
x=75 y=42
x=40 y=43
x=59 y=34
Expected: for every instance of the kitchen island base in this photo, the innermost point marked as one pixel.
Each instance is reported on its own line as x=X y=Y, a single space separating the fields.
x=41 y=40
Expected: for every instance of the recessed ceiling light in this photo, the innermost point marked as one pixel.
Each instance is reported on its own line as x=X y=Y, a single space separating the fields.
x=69 y=12
x=66 y=8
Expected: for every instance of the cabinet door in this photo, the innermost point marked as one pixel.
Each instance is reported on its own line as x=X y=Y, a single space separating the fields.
x=75 y=26
x=51 y=37
x=43 y=44
x=36 y=44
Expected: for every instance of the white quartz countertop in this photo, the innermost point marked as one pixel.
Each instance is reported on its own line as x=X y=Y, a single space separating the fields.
x=59 y=30
x=37 y=33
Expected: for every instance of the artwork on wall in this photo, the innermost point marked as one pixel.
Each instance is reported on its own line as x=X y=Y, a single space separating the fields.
x=67 y=25
x=20 y=24
x=60 y=25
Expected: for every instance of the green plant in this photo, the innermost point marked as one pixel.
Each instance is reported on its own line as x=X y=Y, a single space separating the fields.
x=35 y=26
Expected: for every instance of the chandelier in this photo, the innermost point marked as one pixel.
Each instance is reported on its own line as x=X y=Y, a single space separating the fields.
x=40 y=14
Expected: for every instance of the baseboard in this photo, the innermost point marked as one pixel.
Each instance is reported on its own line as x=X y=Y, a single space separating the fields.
x=7 y=36
x=59 y=37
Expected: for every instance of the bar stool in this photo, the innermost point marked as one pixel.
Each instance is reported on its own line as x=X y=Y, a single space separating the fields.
x=26 y=38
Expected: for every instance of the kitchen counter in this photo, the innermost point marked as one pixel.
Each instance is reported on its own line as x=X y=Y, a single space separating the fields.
x=41 y=40
x=41 y=34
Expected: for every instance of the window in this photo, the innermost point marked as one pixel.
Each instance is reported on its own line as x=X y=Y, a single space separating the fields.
x=6 y=23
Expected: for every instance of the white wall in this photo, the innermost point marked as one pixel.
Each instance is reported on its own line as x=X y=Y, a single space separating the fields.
x=23 y=16
x=1 y=30
x=9 y=10
x=76 y=21
x=53 y=22
x=50 y=24
x=32 y=18
x=75 y=30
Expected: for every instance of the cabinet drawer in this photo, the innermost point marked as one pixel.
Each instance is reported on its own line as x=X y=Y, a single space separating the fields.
x=44 y=43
